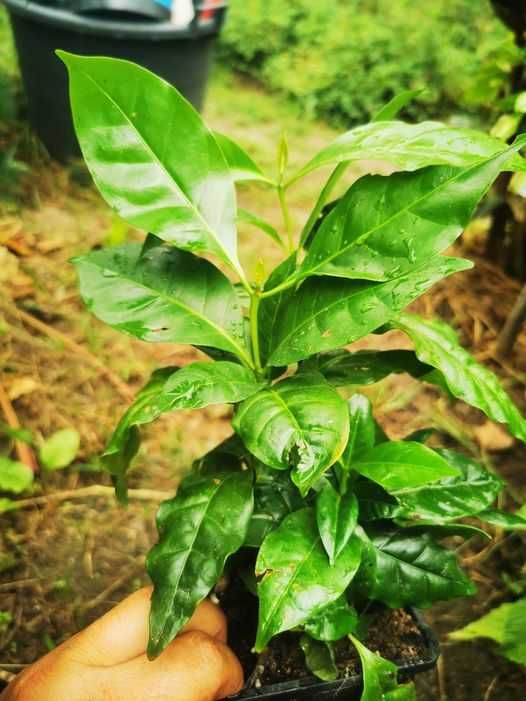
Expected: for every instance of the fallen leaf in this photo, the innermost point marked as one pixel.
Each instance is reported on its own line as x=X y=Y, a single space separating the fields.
x=21 y=386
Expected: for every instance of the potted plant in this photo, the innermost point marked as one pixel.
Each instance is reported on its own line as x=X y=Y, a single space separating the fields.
x=308 y=512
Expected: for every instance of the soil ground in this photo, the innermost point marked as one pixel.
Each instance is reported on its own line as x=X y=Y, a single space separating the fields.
x=71 y=553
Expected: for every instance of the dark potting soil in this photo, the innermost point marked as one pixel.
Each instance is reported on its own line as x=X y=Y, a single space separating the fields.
x=392 y=634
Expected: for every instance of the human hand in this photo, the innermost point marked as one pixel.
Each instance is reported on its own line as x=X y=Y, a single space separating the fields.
x=107 y=661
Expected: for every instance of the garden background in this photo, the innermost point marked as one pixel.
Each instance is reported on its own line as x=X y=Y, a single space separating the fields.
x=309 y=69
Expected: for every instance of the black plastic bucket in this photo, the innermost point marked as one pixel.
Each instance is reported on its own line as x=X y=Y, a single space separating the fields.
x=180 y=56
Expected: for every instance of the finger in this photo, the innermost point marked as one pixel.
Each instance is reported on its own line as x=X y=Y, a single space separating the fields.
x=195 y=667
x=122 y=633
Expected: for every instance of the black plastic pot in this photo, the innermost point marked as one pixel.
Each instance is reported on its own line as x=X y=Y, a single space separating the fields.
x=182 y=57
x=312 y=689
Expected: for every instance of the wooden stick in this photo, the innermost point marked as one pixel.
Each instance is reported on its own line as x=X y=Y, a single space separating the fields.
x=24 y=452
x=511 y=328
x=40 y=326
x=95 y=490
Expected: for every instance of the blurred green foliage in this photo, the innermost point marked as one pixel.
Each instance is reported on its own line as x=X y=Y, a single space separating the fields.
x=8 y=71
x=343 y=60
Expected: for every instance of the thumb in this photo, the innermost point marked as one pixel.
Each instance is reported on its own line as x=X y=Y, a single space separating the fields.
x=195 y=667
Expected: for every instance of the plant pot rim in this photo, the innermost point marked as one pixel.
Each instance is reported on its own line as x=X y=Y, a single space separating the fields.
x=283 y=690
x=84 y=24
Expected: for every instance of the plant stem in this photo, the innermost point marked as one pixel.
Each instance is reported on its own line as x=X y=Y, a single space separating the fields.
x=286 y=217
x=255 y=299
x=322 y=199
x=289 y=282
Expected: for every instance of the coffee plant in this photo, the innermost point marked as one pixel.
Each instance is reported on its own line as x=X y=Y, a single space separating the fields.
x=336 y=512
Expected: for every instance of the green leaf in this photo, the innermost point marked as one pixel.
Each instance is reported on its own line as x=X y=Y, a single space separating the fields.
x=491 y=626
x=15 y=477
x=384 y=226
x=160 y=294
x=362 y=430
x=300 y=423
x=443 y=530
x=319 y=658
x=469 y=492
x=343 y=367
x=275 y=496
x=230 y=453
x=326 y=313
x=171 y=389
x=411 y=569
x=336 y=516
x=333 y=622
x=375 y=504
x=397 y=103
x=501 y=519
x=514 y=643
x=17 y=434
x=60 y=449
x=244 y=215
x=379 y=675
x=297 y=581
x=152 y=157
x=198 y=529
x=505 y=625
x=436 y=344
x=271 y=308
x=240 y=164
x=410 y=146
x=398 y=466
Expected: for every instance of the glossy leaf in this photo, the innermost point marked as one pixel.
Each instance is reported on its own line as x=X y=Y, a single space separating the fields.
x=300 y=423
x=319 y=658
x=397 y=103
x=398 y=466
x=297 y=581
x=336 y=516
x=171 y=389
x=362 y=430
x=152 y=157
x=343 y=367
x=501 y=519
x=379 y=675
x=160 y=294
x=471 y=491
x=275 y=496
x=125 y=440
x=334 y=622
x=411 y=146
x=375 y=504
x=325 y=313
x=436 y=344
x=241 y=165
x=60 y=449
x=411 y=570
x=383 y=227
x=198 y=529
x=514 y=643
x=261 y=224
x=15 y=477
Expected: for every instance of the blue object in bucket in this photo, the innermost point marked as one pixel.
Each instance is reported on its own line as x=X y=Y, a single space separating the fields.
x=164 y=3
